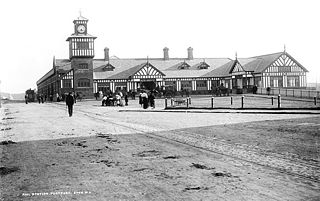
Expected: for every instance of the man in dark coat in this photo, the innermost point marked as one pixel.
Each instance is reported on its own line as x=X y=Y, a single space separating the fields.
x=151 y=100
x=69 y=103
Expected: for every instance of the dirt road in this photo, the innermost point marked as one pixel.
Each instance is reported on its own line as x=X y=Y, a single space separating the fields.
x=103 y=154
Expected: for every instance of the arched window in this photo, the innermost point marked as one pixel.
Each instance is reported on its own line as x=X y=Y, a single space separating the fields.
x=83 y=82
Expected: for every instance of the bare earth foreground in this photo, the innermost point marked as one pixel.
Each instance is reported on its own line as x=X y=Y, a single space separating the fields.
x=103 y=154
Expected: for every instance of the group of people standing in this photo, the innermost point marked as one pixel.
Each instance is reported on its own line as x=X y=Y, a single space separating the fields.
x=147 y=99
x=115 y=99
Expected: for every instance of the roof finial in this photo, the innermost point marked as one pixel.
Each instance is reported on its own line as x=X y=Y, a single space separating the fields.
x=147 y=59
x=236 y=55
x=54 y=61
x=80 y=13
x=284 y=48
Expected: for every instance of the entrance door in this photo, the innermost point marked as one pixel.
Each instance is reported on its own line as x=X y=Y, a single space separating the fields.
x=149 y=85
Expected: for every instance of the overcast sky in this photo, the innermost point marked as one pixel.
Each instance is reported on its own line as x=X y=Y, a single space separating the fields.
x=33 y=31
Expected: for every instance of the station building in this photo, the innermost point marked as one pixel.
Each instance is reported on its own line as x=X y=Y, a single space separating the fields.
x=82 y=73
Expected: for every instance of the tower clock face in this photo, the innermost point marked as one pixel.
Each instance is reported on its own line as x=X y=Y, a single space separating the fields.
x=81 y=28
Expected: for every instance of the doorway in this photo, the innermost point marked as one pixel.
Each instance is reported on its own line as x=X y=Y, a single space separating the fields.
x=149 y=85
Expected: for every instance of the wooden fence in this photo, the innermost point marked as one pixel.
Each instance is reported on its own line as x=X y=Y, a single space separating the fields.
x=299 y=93
x=242 y=102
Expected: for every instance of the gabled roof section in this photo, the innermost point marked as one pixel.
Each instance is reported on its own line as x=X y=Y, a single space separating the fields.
x=200 y=66
x=108 y=67
x=287 y=60
x=222 y=71
x=144 y=69
x=63 y=64
x=148 y=70
x=184 y=66
x=259 y=63
x=180 y=66
x=237 y=67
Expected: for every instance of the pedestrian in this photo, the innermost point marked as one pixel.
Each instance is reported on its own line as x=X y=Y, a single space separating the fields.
x=268 y=91
x=145 y=101
x=151 y=100
x=69 y=103
x=41 y=97
x=75 y=97
x=38 y=97
x=26 y=98
x=133 y=95
x=254 y=89
x=118 y=99
x=140 y=98
x=105 y=100
x=58 y=97
x=126 y=99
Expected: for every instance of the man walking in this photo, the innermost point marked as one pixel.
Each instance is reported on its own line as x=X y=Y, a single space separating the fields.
x=69 y=103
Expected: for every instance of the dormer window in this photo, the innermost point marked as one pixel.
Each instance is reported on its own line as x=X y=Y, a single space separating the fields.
x=203 y=65
x=108 y=67
x=184 y=66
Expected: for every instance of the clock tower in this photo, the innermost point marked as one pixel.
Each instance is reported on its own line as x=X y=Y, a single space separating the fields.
x=81 y=53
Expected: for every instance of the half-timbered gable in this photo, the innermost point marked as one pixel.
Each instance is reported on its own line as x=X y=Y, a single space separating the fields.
x=285 y=63
x=284 y=71
x=237 y=68
x=66 y=80
x=147 y=71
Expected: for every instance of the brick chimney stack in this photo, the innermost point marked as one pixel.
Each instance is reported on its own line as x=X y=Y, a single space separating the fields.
x=106 y=54
x=190 y=53
x=165 y=53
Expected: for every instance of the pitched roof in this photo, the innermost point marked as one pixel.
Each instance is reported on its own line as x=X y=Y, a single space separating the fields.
x=217 y=67
x=168 y=67
x=222 y=71
x=127 y=73
x=259 y=63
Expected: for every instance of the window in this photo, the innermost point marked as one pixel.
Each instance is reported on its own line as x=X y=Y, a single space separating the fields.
x=83 y=82
x=284 y=69
x=184 y=65
x=108 y=67
x=203 y=65
x=83 y=66
x=82 y=45
x=293 y=81
x=66 y=84
x=276 y=81
x=201 y=83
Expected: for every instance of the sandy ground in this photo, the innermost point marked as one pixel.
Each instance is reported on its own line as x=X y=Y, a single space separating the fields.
x=102 y=154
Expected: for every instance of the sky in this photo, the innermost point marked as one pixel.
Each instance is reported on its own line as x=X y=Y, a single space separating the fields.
x=33 y=32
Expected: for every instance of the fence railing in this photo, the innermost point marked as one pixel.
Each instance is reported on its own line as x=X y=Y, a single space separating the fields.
x=298 y=93
x=242 y=102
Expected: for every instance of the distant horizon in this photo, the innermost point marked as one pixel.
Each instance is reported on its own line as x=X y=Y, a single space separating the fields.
x=317 y=85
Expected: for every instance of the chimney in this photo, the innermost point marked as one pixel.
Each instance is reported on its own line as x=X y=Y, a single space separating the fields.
x=165 y=53
x=190 y=53
x=106 y=54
